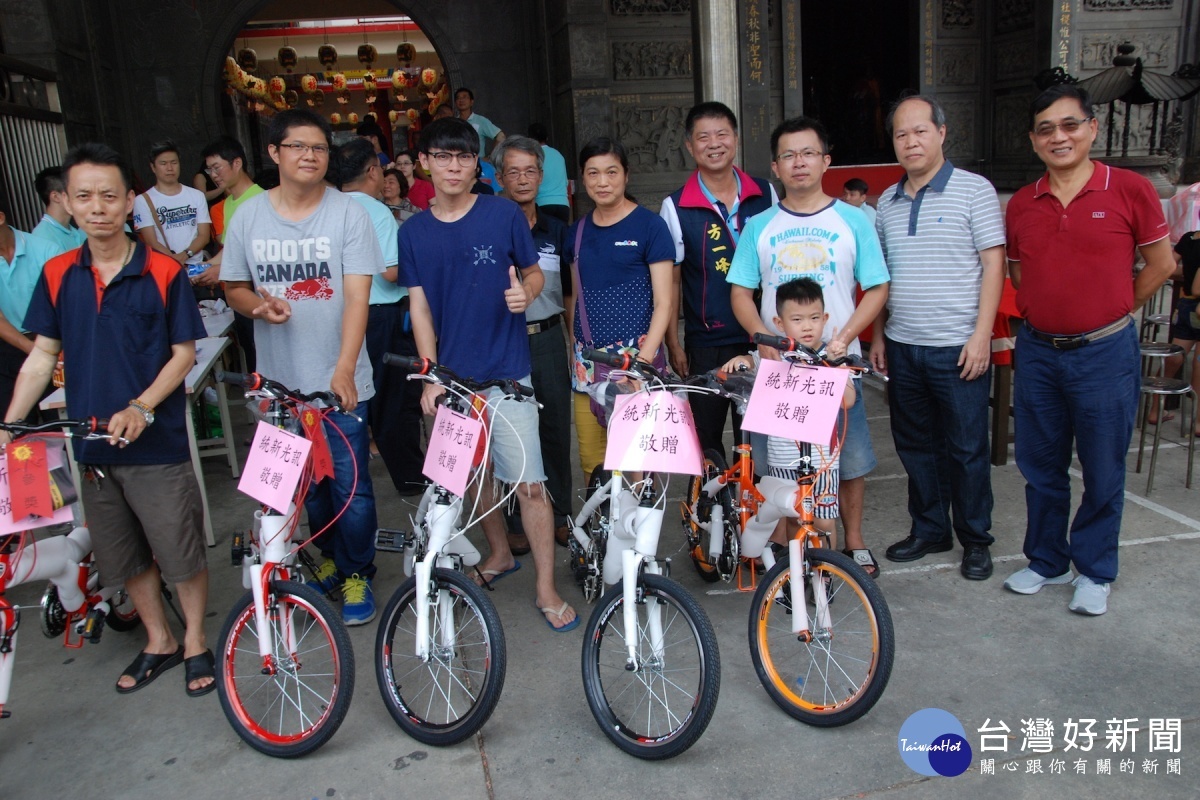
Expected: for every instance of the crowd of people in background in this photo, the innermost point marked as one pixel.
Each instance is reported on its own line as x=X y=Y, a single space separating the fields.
x=353 y=251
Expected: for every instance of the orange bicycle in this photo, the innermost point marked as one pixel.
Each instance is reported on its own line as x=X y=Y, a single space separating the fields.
x=825 y=663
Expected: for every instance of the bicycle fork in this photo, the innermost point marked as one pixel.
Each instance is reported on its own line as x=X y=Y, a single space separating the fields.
x=440 y=522
x=271 y=539
x=646 y=525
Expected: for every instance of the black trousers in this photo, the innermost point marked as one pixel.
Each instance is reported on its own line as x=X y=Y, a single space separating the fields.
x=710 y=411
x=394 y=413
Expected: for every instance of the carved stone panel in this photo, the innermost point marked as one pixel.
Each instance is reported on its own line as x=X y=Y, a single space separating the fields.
x=1156 y=48
x=1127 y=5
x=1014 y=59
x=1011 y=125
x=961 y=136
x=1013 y=15
x=958 y=16
x=651 y=128
x=588 y=51
x=593 y=115
x=656 y=60
x=957 y=65
x=627 y=8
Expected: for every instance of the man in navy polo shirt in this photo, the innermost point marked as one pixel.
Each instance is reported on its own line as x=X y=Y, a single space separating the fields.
x=1073 y=238
x=127 y=320
x=706 y=216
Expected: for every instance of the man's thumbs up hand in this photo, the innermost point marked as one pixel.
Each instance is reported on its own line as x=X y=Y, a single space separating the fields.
x=515 y=295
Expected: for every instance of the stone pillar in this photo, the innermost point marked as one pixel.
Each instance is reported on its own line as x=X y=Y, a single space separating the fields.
x=715 y=44
x=755 y=72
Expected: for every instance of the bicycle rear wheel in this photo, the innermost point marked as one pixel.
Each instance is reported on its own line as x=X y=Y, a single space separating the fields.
x=839 y=675
x=701 y=506
x=122 y=617
x=301 y=701
x=660 y=709
x=448 y=697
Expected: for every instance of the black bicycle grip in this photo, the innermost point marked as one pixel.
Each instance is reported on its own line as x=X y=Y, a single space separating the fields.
x=778 y=342
x=246 y=380
x=615 y=360
x=416 y=364
x=521 y=389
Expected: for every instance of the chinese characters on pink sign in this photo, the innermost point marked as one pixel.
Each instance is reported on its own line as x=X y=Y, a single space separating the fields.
x=54 y=459
x=451 y=450
x=652 y=432
x=796 y=402
x=274 y=467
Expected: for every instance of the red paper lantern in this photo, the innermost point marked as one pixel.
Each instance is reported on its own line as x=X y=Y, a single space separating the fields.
x=428 y=77
x=352 y=118
x=413 y=115
x=338 y=80
x=278 y=86
x=308 y=83
x=399 y=80
x=335 y=118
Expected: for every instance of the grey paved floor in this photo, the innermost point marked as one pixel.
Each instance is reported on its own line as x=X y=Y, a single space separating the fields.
x=970 y=648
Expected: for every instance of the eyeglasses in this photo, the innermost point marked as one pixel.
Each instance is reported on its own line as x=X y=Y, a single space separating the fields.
x=517 y=174
x=214 y=169
x=788 y=156
x=1068 y=125
x=443 y=158
x=299 y=148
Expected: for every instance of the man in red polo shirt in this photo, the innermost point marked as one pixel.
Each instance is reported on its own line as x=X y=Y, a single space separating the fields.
x=1073 y=238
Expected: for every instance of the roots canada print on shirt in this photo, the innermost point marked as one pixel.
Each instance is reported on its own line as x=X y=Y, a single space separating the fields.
x=294 y=269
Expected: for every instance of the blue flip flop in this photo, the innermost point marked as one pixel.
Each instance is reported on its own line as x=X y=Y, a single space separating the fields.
x=570 y=626
x=490 y=576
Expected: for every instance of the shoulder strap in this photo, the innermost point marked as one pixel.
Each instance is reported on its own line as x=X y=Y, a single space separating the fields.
x=583 y=320
x=154 y=216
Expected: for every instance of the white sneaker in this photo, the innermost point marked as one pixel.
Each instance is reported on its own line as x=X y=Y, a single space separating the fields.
x=1090 y=598
x=1027 y=581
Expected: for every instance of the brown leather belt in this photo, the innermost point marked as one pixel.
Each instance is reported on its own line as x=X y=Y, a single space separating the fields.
x=542 y=324
x=1077 y=340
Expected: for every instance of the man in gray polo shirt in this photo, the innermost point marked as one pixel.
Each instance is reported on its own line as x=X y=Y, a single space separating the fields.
x=943 y=240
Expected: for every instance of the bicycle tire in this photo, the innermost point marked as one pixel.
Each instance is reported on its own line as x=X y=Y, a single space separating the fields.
x=714 y=464
x=859 y=654
x=122 y=617
x=685 y=704
x=295 y=710
x=470 y=675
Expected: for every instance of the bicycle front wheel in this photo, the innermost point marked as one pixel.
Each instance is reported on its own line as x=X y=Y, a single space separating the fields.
x=295 y=703
x=448 y=696
x=841 y=673
x=660 y=708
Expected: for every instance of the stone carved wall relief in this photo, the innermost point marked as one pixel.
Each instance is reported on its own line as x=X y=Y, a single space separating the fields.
x=957 y=65
x=651 y=60
x=1011 y=126
x=958 y=14
x=625 y=8
x=1157 y=49
x=651 y=128
x=1013 y=15
x=961 y=116
x=1014 y=59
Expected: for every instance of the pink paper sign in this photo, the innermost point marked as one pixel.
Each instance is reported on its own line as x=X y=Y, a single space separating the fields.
x=796 y=402
x=451 y=449
x=652 y=432
x=54 y=459
x=274 y=467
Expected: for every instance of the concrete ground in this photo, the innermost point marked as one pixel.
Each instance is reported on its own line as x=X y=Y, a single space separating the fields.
x=973 y=649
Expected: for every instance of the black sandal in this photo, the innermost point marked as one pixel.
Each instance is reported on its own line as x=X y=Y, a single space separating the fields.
x=197 y=667
x=148 y=666
x=865 y=559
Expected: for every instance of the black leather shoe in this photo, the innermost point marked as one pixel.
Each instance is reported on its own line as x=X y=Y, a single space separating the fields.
x=976 y=562
x=912 y=548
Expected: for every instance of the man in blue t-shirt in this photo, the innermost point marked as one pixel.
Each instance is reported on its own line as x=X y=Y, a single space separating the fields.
x=812 y=235
x=471 y=271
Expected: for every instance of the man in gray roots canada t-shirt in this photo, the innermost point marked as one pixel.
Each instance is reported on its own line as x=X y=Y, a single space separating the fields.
x=308 y=252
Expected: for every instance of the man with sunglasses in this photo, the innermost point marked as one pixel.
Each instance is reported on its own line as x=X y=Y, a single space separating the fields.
x=1073 y=239
x=299 y=260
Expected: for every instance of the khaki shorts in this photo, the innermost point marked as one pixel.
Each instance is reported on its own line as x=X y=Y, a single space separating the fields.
x=142 y=514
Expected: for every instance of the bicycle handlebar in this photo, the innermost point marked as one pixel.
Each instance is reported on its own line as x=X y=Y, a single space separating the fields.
x=625 y=362
x=427 y=369
x=254 y=382
x=788 y=345
x=86 y=426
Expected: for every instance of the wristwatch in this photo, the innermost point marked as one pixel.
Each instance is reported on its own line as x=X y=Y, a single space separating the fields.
x=189 y=253
x=146 y=411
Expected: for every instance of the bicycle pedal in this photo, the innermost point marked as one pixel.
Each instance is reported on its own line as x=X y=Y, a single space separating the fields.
x=92 y=627
x=238 y=549
x=391 y=541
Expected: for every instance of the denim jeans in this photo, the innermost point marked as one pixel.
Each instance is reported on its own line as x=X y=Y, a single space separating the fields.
x=1087 y=397
x=351 y=540
x=940 y=427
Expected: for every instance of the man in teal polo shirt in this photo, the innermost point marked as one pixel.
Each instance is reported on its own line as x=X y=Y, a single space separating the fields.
x=22 y=256
x=55 y=225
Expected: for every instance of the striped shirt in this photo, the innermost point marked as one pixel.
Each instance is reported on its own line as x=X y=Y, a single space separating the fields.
x=931 y=243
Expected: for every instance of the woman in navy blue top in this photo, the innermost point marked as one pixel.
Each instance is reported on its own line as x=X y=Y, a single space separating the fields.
x=623 y=260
